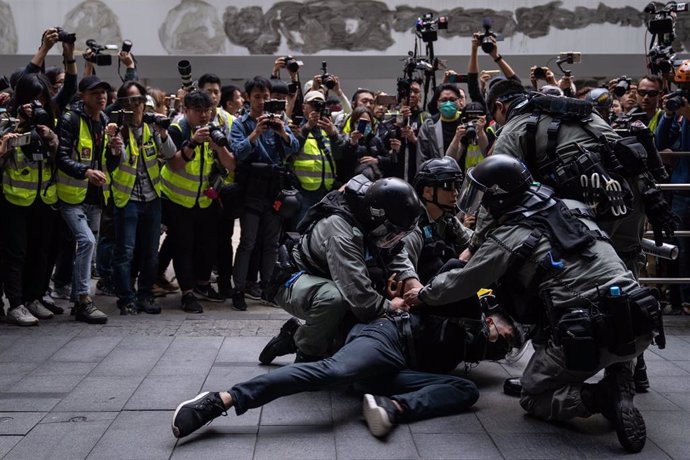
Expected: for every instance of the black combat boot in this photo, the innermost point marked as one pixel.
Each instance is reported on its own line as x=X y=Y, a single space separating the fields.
x=281 y=344
x=640 y=375
x=512 y=386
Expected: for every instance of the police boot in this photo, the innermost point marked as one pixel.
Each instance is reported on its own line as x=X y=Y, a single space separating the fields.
x=512 y=386
x=281 y=344
x=614 y=394
x=640 y=375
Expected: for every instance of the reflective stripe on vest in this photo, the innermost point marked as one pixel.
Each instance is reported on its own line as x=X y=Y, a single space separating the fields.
x=312 y=166
x=473 y=156
x=125 y=175
x=71 y=190
x=21 y=181
x=185 y=187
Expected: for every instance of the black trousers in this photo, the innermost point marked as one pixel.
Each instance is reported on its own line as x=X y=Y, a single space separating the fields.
x=226 y=227
x=193 y=238
x=26 y=235
x=372 y=360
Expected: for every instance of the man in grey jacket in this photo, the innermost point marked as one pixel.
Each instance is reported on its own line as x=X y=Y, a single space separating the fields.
x=350 y=243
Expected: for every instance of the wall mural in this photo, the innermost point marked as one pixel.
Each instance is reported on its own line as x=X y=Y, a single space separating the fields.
x=192 y=27
x=93 y=19
x=8 y=33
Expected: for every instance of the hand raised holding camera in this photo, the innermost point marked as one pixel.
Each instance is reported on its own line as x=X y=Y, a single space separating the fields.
x=49 y=38
x=327 y=125
x=201 y=135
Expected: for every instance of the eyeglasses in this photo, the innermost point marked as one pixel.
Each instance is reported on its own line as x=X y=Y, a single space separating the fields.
x=648 y=92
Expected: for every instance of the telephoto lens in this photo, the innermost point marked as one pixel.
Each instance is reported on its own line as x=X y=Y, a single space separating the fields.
x=217 y=136
x=126 y=46
x=184 y=67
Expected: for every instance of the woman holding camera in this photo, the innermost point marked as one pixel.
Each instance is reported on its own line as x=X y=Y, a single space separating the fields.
x=29 y=192
x=362 y=146
x=135 y=147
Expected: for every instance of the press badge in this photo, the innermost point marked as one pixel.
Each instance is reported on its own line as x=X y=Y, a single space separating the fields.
x=86 y=154
x=428 y=232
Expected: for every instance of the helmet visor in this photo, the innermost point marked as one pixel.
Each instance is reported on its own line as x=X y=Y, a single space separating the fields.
x=387 y=235
x=471 y=194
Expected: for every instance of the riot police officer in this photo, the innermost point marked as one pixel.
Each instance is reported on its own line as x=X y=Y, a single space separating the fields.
x=566 y=277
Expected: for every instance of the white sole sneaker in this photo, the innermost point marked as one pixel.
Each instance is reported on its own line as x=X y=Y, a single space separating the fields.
x=176 y=430
x=377 y=418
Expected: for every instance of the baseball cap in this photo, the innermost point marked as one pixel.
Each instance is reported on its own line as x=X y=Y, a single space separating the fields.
x=92 y=82
x=313 y=95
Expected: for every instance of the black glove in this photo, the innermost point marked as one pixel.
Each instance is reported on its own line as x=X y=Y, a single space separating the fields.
x=660 y=215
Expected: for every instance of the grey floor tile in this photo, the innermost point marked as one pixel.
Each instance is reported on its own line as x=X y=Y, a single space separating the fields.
x=354 y=441
x=681 y=400
x=532 y=446
x=49 y=383
x=242 y=349
x=667 y=427
x=664 y=368
x=86 y=349
x=29 y=402
x=145 y=435
x=654 y=401
x=188 y=355
x=215 y=445
x=604 y=444
x=128 y=362
x=462 y=423
x=33 y=348
x=499 y=413
x=62 y=438
x=100 y=394
x=53 y=368
x=7 y=443
x=295 y=442
x=18 y=423
x=456 y=446
x=677 y=384
x=164 y=392
x=11 y=373
x=312 y=408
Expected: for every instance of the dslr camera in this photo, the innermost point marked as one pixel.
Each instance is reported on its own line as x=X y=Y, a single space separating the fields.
x=99 y=58
x=428 y=27
x=326 y=78
x=622 y=85
x=65 y=37
x=292 y=64
x=159 y=120
x=485 y=38
x=320 y=106
x=217 y=135
x=35 y=147
x=675 y=99
x=274 y=108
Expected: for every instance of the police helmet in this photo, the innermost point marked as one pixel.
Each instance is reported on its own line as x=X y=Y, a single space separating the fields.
x=600 y=97
x=497 y=183
x=390 y=210
x=438 y=172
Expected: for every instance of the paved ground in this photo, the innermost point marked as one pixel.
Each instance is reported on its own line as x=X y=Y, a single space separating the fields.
x=72 y=391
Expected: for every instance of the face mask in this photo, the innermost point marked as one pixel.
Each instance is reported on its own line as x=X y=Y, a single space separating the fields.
x=448 y=109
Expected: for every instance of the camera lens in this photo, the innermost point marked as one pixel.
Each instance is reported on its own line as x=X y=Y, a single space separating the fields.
x=487 y=45
x=184 y=67
x=217 y=136
x=126 y=46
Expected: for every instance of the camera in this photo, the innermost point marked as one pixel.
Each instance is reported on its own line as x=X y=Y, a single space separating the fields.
x=39 y=115
x=98 y=58
x=428 y=27
x=274 y=108
x=540 y=73
x=485 y=42
x=660 y=59
x=663 y=23
x=160 y=120
x=622 y=85
x=457 y=78
x=20 y=141
x=292 y=64
x=470 y=136
x=217 y=135
x=122 y=117
x=675 y=99
x=320 y=106
x=65 y=37
x=126 y=46
x=326 y=78
x=662 y=26
x=184 y=67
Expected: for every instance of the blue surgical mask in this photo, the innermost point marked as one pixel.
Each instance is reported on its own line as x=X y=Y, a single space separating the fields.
x=448 y=109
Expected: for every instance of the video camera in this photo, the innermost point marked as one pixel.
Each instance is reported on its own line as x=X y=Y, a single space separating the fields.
x=662 y=26
x=184 y=67
x=326 y=78
x=428 y=27
x=485 y=42
x=122 y=117
x=157 y=119
x=99 y=58
x=622 y=86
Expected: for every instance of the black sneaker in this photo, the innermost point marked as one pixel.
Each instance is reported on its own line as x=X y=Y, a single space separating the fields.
x=208 y=293
x=128 y=309
x=253 y=291
x=190 y=304
x=628 y=421
x=148 y=306
x=640 y=376
x=380 y=413
x=281 y=344
x=512 y=386
x=195 y=413
x=238 y=302
x=48 y=302
x=87 y=312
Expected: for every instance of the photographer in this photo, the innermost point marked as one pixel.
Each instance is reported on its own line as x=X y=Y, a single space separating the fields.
x=403 y=130
x=231 y=100
x=673 y=132
x=476 y=83
x=262 y=143
x=320 y=144
x=82 y=186
x=28 y=192
x=135 y=148
x=190 y=207
x=362 y=146
x=435 y=137
x=361 y=98
x=294 y=92
x=473 y=138
x=648 y=95
x=210 y=84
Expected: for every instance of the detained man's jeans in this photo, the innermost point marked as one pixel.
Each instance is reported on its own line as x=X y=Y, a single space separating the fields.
x=78 y=217
x=137 y=223
x=373 y=360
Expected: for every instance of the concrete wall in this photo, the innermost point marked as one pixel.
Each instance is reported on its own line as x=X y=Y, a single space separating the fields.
x=362 y=40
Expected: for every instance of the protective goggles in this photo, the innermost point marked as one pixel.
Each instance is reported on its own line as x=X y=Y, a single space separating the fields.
x=387 y=235
x=450 y=185
x=471 y=194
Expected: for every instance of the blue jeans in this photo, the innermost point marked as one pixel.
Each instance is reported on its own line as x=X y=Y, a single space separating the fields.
x=137 y=224
x=79 y=219
x=373 y=360
x=105 y=243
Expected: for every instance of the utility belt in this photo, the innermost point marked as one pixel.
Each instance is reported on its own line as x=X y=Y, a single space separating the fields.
x=612 y=323
x=404 y=326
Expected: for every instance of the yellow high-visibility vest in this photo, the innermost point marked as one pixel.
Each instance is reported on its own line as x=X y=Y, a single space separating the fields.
x=24 y=179
x=125 y=175
x=312 y=167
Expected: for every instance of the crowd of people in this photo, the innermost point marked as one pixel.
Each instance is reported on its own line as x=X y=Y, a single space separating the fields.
x=403 y=213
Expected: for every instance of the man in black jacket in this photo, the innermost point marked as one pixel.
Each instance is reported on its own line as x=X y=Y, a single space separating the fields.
x=82 y=184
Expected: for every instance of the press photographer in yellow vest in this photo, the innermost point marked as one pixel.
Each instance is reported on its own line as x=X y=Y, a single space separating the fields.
x=190 y=202
x=136 y=145
x=28 y=193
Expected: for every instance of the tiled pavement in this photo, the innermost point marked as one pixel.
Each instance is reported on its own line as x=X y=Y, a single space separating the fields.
x=72 y=391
